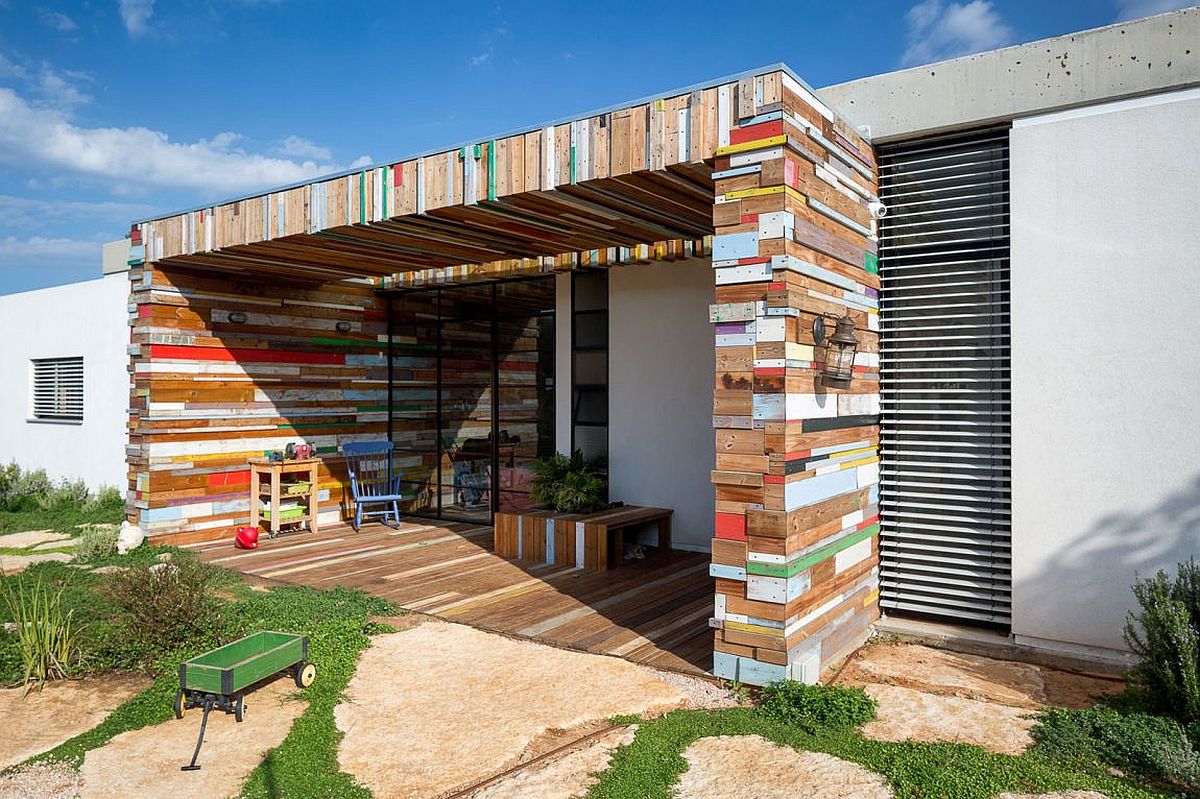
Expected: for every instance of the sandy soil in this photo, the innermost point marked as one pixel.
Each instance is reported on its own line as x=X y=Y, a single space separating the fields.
x=908 y=715
x=30 y=538
x=58 y=712
x=41 y=781
x=928 y=694
x=12 y=564
x=751 y=767
x=563 y=776
x=441 y=706
x=231 y=751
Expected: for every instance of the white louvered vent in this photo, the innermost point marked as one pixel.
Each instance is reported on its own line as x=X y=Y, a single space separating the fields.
x=944 y=318
x=58 y=389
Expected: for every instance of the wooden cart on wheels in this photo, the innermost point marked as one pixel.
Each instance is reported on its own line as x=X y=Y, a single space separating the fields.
x=218 y=679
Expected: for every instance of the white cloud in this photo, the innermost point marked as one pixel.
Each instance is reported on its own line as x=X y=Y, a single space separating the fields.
x=135 y=14
x=37 y=248
x=31 y=136
x=938 y=30
x=56 y=20
x=9 y=69
x=26 y=212
x=1134 y=9
x=58 y=91
x=299 y=147
x=479 y=59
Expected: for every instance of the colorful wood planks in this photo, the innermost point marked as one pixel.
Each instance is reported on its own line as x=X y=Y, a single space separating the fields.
x=224 y=370
x=795 y=550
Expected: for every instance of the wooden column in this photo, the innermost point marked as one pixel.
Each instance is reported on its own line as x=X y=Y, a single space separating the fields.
x=796 y=549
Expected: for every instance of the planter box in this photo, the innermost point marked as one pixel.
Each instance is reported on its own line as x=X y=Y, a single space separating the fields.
x=592 y=541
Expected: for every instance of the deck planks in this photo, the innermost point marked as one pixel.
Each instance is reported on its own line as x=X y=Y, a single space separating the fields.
x=651 y=611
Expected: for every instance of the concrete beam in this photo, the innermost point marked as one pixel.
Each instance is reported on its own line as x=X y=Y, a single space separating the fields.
x=1145 y=56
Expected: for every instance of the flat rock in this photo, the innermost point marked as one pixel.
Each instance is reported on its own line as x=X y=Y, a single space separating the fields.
x=30 y=538
x=113 y=569
x=570 y=774
x=905 y=714
x=58 y=712
x=442 y=706
x=938 y=671
x=751 y=767
x=146 y=762
x=14 y=564
x=65 y=543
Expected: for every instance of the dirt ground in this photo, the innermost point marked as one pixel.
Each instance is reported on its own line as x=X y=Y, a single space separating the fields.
x=58 y=712
x=41 y=781
x=751 y=767
x=231 y=751
x=928 y=694
x=441 y=706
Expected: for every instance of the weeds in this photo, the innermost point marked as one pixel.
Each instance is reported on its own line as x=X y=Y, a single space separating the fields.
x=46 y=636
x=812 y=706
x=96 y=542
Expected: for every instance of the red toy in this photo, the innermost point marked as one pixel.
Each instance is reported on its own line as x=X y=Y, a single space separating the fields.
x=246 y=538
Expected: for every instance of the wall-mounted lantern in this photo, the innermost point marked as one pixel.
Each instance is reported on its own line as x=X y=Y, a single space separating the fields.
x=840 y=349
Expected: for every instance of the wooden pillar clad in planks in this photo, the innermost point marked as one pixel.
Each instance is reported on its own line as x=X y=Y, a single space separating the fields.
x=795 y=553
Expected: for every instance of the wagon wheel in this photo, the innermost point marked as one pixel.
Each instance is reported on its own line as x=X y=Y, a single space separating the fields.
x=304 y=674
x=181 y=703
x=239 y=707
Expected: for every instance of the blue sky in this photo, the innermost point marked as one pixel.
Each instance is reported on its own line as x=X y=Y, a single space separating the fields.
x=113 y=110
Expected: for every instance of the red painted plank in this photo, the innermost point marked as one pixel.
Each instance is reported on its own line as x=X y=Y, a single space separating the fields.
x=242 y=355
x=763 y=130
x=731 y=525
x=229 y=478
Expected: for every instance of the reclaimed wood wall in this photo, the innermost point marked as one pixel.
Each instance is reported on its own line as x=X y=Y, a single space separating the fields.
x=795 y=555
x=223 y=369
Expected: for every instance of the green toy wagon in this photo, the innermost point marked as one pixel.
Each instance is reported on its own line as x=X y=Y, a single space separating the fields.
x=219 y=679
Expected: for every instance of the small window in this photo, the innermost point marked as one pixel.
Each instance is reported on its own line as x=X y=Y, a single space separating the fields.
x=58 y=389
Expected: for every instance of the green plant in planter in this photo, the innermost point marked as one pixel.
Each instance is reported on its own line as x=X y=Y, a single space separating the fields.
x=569 y=484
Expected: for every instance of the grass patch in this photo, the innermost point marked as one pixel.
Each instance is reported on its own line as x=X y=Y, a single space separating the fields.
x=63 y=517
x=337 y=624
x=649 y=766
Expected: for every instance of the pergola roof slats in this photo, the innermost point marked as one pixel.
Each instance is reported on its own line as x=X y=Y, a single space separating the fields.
x=629 y=176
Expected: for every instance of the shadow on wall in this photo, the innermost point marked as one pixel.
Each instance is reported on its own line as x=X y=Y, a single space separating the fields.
x=1081 y=594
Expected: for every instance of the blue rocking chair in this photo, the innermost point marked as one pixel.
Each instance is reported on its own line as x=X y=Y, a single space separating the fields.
x=369 y=464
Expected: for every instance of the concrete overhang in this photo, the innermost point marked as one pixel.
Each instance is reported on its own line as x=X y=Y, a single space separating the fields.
x=1129 y=59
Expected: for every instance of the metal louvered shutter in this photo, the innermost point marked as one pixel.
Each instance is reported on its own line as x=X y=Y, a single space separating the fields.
x=58 y=389
x=945 y=500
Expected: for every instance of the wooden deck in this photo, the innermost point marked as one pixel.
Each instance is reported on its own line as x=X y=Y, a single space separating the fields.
x=650 y=611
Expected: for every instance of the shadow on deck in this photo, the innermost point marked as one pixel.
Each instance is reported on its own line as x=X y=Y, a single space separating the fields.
x=650 y=611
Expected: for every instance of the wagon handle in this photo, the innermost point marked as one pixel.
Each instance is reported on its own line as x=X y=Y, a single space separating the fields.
x=208 y=706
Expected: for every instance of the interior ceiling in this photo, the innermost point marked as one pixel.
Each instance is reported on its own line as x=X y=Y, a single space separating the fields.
x=640 y=208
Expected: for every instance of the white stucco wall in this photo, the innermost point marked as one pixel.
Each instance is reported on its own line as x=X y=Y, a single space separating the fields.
x=661 y=444
x=1106 y=423
x=88 y=319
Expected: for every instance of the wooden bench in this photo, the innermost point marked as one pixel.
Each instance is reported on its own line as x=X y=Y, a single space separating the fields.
x=581 y=540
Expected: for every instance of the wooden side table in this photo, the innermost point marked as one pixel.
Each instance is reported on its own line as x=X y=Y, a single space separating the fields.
x=273 y=478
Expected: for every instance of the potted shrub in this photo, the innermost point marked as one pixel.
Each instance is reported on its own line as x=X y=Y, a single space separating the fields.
x=568 y=484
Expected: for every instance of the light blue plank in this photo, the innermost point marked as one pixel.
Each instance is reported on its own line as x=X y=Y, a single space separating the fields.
x=732 y=246
x=819 y=488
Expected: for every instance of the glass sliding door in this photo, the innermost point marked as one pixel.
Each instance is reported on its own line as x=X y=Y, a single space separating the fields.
x=525 y=374
x=467 y=355
x=472 y=395
x=414 y=406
